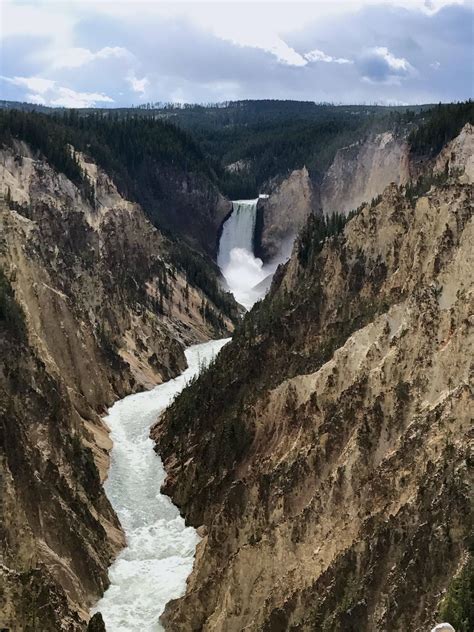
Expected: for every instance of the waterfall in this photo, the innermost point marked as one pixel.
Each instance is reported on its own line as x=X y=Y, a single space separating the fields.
x=246 y=276
x=238 y=230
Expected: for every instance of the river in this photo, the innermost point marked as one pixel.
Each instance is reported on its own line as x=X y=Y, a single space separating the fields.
x=159 y=555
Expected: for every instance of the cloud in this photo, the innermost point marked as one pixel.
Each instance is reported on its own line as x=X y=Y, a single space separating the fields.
x=379 y=65
x=47 y=92
x=318 y=55
x=138 y=85
x=364 y=51
x=71 y=99
x=76 y=57
x=37 y=84
x=36 y=98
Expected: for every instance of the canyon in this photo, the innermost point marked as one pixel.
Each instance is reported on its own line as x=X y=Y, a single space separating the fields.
x=100 y=312
x=317 y=475
x=327 y=456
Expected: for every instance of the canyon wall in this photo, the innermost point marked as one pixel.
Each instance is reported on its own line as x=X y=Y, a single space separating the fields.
x=285 y=212
x=358 y=173
x=91 y=309
x=361 y=172
x=189 y=206
x=325 y=455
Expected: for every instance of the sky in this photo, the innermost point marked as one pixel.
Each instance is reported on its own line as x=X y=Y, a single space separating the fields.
x=111 y=53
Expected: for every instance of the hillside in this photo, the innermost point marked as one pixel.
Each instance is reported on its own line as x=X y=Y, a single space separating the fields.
x=326 y=454
x=94 y=305
x=243 y=144
x=150 y=162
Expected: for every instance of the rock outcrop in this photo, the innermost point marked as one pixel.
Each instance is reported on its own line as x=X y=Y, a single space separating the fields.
x=285 y=212
x=190 y=206
x=326 y=453
x=99 y=312
x=361 y=172
x=358 y=173
x=457 y=158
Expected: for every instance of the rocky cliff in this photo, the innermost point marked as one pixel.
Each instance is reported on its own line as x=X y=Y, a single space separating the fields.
x=91 y=309
x=188 y=205
x=361 y=171
x=358 y=173
x=285 y=212
x=326 y=455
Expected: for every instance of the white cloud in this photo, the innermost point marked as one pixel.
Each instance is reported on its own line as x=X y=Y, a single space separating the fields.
x=319 y=55
x=436 y=65
x=395 y=63
x=379 y=65
x=76 y=57
x=35 y=98
x=71 y=99
x=47 y=92
x=37 y=84
x=138 y=85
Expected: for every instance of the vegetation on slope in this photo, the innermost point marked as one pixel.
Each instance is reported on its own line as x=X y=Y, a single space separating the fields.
x=11 y=315
x=130 y=149
x=142 y=155
x=202 y=274
x=458 y=605
x=442 y=124
x=268 y=137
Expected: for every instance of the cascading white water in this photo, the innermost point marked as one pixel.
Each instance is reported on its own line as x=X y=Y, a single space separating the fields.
x=247 y=277
x=238 y=230
x=159 y=555
x=240 y=268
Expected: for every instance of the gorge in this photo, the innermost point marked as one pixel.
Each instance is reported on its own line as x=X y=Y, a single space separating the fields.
x=153 y=567
x=317 y=475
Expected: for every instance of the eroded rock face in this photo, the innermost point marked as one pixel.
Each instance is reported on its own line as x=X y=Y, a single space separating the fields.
x=191 y=207
x=105 y=315
x=329 y=462
x=358 y=173
x=457 y=158
x=285 y=212
x=361 y=172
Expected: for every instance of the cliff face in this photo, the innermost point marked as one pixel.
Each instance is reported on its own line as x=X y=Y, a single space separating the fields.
x=361 y=171
x=190 y=206
x=105 y=314
x=285 y=212
x=457 y=158
x=357 y=174
x=326 y=452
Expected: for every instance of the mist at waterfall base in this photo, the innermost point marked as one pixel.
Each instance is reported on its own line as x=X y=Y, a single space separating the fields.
x=247 y=277
x=159 y=554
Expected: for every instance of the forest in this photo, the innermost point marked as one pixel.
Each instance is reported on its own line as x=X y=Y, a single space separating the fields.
x=238 y=146
x=442 y=124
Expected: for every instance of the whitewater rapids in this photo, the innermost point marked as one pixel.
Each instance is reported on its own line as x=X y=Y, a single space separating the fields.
x=159 y=555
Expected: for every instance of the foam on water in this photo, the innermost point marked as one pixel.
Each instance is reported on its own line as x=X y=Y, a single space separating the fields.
x=243 y=272
x=159 y=555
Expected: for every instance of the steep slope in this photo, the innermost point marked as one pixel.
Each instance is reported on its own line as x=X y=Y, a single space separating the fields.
x=285 y=212
x=150 y=162
x=326 y=453
x=100 y=312
x=362 y=170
